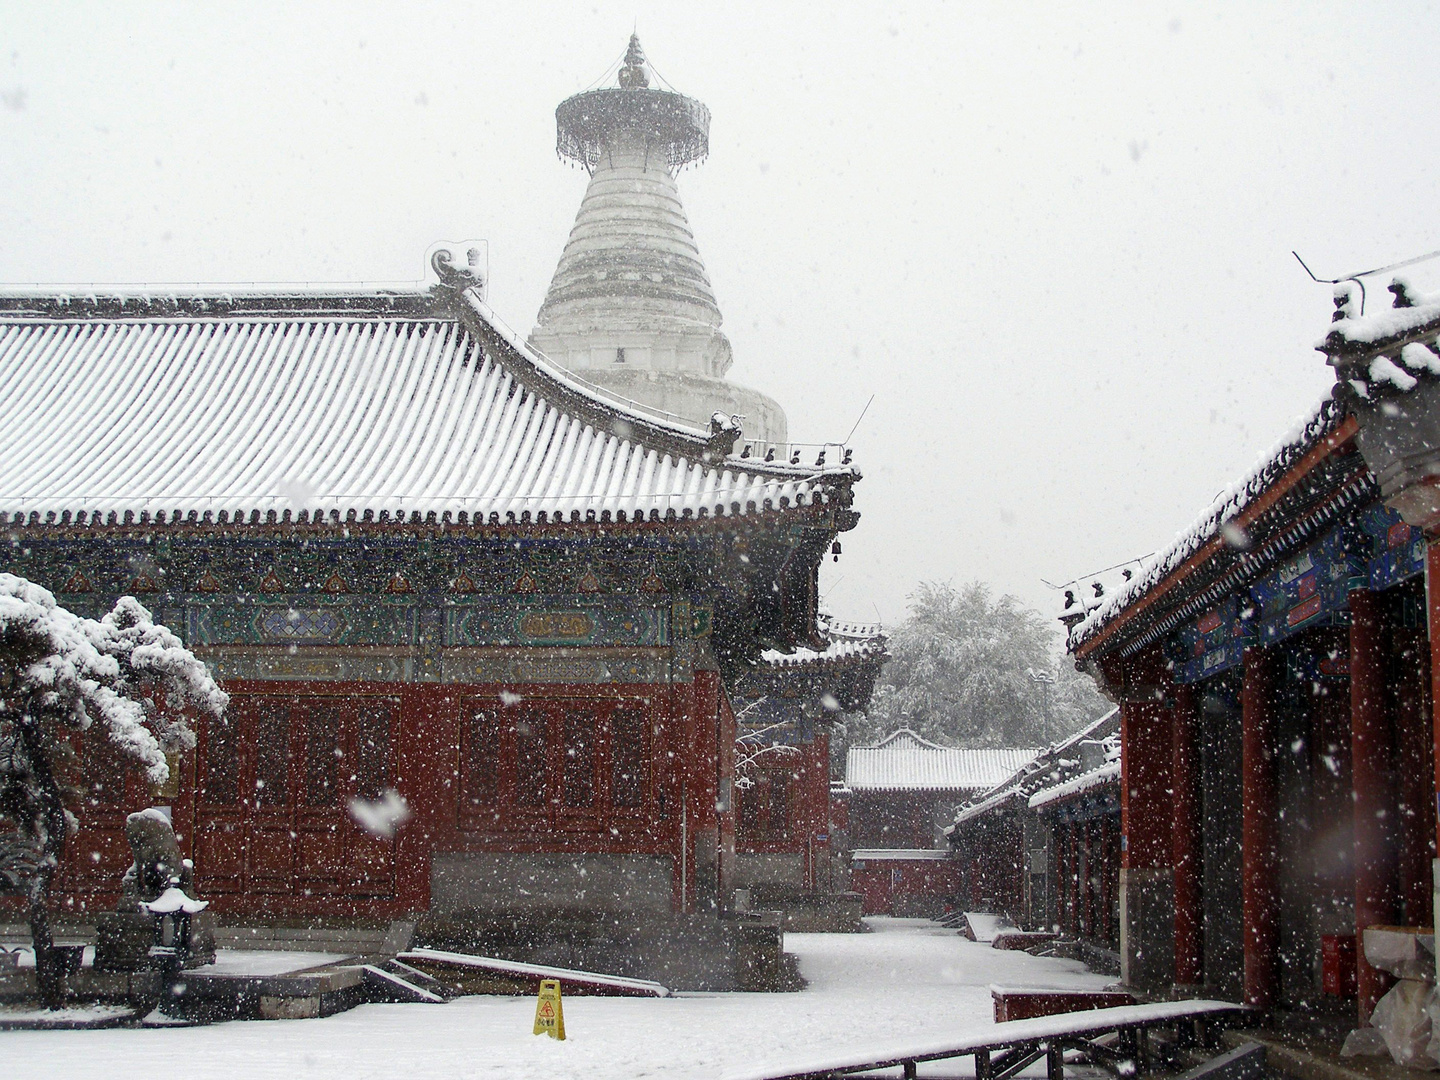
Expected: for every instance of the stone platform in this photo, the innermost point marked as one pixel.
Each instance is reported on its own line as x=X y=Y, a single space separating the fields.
x=240 y=985
x=683 y=952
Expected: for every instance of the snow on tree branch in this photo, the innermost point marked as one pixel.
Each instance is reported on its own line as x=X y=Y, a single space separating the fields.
x=751 y=744
x=71 y=671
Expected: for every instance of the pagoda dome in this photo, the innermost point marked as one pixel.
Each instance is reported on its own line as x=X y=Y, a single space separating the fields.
x=630 y=307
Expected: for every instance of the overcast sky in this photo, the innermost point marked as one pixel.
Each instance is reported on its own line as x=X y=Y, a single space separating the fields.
x=1054 y=244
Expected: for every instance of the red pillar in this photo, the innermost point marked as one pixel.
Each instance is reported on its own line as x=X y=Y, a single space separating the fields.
x=1259 y=898
x=1147 y=901
x=1072 y=879
x=1413 y=753
x=1185 y=835
x=1372 y=750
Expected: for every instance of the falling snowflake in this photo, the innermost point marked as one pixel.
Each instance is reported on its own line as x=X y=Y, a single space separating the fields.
x=383 y=816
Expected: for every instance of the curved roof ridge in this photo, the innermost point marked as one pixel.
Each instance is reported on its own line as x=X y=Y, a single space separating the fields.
x=910 y=733
x=1306 y=433
x=415 y=404
x=663 y=433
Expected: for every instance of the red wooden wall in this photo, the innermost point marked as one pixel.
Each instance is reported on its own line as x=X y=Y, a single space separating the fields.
x=261 y=805
x=786 y=810
x=887 y=884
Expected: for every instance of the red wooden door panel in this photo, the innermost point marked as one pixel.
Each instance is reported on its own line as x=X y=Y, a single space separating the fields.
x=319 y=813
x=272 y=860
x=222 y=796
x=220 y=855
x=369 y=774
x=579 y=766
x=276 y=778
x=271 y=795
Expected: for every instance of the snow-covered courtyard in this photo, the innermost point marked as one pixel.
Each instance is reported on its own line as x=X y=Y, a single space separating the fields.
x=908 y=978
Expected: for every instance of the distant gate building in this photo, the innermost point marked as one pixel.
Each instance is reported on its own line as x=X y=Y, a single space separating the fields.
x=901 y=796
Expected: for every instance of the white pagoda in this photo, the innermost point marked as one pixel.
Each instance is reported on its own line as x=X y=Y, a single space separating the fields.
x=630 y=308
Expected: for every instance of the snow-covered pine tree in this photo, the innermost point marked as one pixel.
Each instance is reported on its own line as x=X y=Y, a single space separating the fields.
x=968 y=669
x=59 y=674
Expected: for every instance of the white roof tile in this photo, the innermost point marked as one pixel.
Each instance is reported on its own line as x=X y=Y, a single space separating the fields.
x=1096 y=777
x=900 y=854
x=846 y=641
x=345 y=409
x=906 y=762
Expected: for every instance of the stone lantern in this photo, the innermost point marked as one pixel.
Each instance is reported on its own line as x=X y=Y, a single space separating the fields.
x=172 y=911
x=126 y=939
x=1387 y=373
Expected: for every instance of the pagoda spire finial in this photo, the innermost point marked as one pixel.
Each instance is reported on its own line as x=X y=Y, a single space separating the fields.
x=633 y=75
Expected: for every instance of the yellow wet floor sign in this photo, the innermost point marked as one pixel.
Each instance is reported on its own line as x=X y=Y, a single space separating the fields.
x=549 y=1015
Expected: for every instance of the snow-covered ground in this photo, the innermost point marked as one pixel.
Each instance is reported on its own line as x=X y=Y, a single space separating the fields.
x=910 y=978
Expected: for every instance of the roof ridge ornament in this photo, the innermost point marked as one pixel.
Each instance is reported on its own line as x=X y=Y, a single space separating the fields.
x=474 y=273
x=725 y=432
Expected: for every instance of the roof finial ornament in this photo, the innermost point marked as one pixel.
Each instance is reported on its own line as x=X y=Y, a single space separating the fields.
x=633 y=75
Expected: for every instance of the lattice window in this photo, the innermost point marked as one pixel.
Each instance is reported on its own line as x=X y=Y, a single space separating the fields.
x=372 y=764
x=482 y=758
x=531 y=769
x=323 y=754
x=272 y=754
x=220 y=775
x=628 y=757
x=579 y=762
x=558 y=764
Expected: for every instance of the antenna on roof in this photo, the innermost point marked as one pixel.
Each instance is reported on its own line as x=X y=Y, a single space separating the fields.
x=1355 y=277
x=857 y=421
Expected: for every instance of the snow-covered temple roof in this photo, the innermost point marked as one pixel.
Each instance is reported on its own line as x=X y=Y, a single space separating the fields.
x=340 y=406
x=1085 y=781
x=1222 y=524
x=1379 y=357
x=1397 y=343
x=845 y=641
x=1086 y=593
x=1065 y=768
x=906 y=762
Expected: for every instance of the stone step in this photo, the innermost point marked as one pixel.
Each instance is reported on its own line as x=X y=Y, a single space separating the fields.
x=418 y=978
x=383 y=985
x=355 y=941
